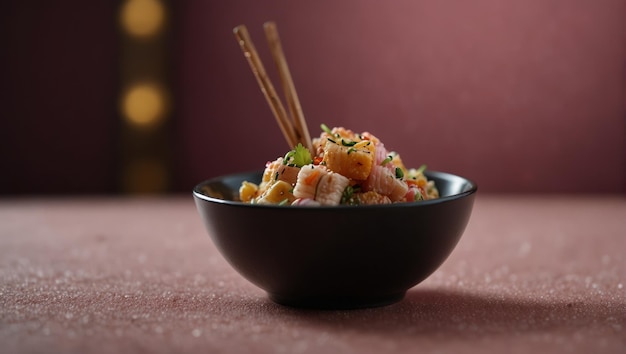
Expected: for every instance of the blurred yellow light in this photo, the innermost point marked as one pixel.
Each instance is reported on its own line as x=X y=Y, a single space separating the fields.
x=147 y=176
x=144 y=105
x=142 y=18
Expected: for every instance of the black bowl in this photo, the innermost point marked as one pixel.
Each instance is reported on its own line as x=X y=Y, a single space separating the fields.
x=335 y=257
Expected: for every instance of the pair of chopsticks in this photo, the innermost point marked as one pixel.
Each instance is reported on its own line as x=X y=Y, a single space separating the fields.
x=293 y=127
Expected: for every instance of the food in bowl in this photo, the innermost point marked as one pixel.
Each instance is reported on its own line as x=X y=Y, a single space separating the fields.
x=344 y=168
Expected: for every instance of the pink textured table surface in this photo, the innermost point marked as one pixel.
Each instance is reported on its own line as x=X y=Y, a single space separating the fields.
x=531 y=274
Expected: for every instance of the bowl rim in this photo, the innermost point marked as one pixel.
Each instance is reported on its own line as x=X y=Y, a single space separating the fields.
x=473 y=188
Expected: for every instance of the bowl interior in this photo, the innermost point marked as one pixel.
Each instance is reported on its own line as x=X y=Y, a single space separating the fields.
x=225 y=189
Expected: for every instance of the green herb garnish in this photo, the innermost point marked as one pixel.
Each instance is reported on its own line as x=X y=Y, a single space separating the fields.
x=326 y=129
x=299 y=156
x=347 y=197
x=347 y=143
x=399 y=173
x=386 y=161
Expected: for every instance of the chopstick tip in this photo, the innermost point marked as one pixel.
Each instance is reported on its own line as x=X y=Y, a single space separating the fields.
x=239 y=28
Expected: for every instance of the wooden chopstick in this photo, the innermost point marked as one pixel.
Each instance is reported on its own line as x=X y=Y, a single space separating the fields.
x=301 y=129
x=249 y=51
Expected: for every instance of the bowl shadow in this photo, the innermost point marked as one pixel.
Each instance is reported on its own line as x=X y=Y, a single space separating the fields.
x=445 y=312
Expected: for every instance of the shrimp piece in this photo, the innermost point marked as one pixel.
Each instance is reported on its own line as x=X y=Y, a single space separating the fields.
x=305 y=202
x=306 y=184
x=381 y=153
x=330 y=188
x=383 y=181
x=320 y=184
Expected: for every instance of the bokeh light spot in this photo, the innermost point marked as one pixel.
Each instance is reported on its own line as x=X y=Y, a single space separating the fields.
x=144 y=105
x=142 y=18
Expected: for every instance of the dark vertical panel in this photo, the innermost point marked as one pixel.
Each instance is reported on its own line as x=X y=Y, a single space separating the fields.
x=57 y=96
x=145 y=150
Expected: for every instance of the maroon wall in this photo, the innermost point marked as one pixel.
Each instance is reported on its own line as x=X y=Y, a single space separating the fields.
x=58 y=108
x=521 y=96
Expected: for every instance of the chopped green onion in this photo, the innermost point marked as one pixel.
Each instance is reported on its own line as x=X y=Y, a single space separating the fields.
x=421 y=169
x=386 y=161
x=399 y=173
x=288 y=155
x=347 y=143
x=347 y=197
x=326 y=129
x=331 y=140
x=351 y=150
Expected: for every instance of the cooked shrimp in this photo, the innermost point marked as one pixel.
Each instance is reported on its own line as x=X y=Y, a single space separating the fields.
x=320 y=184
x=381 y=180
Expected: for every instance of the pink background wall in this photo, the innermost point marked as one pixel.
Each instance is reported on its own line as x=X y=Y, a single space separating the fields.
x=521 y=96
